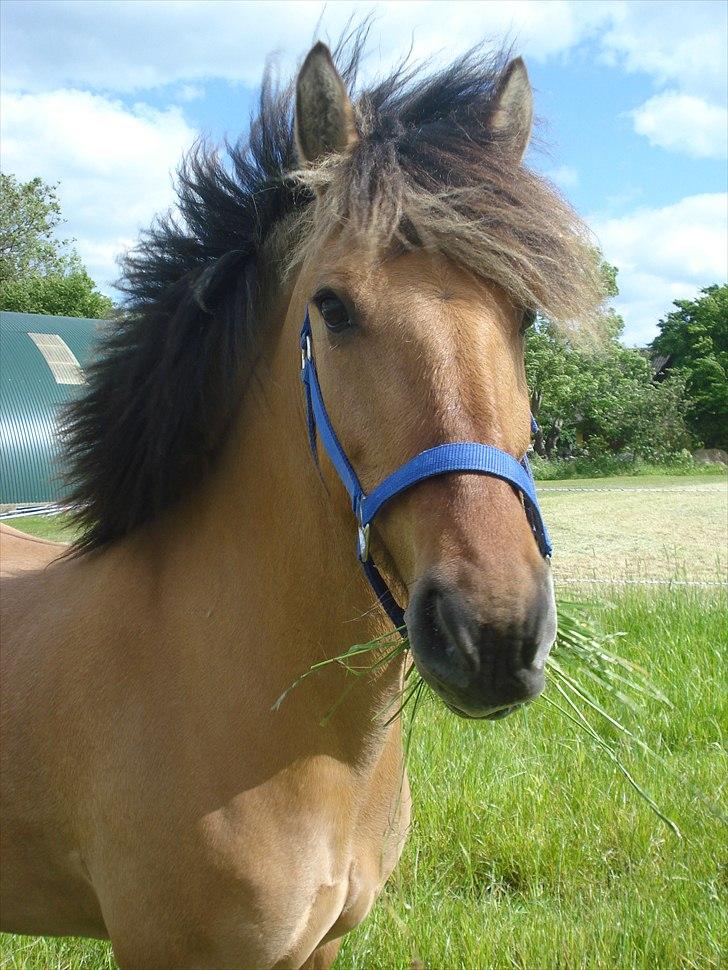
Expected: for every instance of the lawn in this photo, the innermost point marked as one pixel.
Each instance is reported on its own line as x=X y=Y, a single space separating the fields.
x=57 y=528
x=528 y=847
x=638 y=529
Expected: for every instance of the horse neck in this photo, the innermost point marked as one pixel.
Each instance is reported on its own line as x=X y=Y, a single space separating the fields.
x=270 y=561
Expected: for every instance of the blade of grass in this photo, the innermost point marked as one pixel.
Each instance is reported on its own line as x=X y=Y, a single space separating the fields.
x=578 y=718
x=343 y=658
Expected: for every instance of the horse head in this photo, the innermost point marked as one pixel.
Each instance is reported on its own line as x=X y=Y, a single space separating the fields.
x=418 y=347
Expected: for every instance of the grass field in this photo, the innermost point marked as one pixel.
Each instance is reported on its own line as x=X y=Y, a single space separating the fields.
x=54 y=527
x=528 y=848
x=575 y=469
x=638 y=529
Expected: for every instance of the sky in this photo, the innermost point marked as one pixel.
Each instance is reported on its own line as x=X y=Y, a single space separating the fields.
x=105 y=96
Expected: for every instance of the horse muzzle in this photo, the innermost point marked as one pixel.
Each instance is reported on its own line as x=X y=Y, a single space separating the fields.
x=482 y=663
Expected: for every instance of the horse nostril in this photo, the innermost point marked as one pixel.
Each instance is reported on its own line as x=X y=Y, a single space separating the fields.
x=457 y=634
x=479 y=667
x=539 y=631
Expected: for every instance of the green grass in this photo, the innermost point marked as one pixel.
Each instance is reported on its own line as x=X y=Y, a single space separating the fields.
x=712 y=478
x=528 y=848
x=607 y=466
x=52 y=953
x=57 y=528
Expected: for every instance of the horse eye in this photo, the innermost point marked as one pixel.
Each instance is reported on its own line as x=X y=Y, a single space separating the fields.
x=334 y=311
x=527 y=320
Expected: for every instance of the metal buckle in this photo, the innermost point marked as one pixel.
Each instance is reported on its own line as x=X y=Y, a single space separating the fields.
x=305 y=353
x=363 y=542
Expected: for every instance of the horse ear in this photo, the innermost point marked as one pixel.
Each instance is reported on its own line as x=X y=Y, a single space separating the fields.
x=324 y=114
x=512 y=115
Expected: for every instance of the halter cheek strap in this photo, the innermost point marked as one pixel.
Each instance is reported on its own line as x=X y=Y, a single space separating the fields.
x=456 y=456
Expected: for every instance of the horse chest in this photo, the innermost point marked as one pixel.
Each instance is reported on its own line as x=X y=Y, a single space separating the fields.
x=368 y=860
x=310 y=872
x=339 y=894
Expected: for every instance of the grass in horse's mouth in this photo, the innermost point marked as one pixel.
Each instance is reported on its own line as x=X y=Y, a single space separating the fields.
x=581 y=660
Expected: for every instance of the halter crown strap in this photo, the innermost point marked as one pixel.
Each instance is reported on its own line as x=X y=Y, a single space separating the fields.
x=453 y=457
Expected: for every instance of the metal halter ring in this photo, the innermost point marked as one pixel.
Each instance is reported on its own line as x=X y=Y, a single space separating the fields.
x=363 y=542
x=305 y=353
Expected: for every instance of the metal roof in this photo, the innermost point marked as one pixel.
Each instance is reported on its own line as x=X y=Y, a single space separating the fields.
x=41 y=368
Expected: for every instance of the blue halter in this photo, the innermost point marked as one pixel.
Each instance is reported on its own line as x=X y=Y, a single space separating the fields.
x=456 y=456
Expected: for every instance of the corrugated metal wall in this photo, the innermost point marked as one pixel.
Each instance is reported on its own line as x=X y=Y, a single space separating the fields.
x=29 y=402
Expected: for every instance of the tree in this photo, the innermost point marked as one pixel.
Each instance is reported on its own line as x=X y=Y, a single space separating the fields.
x=30 y=213
x=39 y=272
x=70 y=294
x=603 y=398
x=695 y=336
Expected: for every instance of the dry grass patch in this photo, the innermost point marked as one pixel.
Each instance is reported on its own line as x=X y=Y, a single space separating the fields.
x=640 y=534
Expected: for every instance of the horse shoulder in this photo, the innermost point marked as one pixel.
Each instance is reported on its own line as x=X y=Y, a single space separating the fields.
x=59 y=637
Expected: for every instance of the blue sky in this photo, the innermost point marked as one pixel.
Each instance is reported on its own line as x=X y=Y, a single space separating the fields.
x=105 y=96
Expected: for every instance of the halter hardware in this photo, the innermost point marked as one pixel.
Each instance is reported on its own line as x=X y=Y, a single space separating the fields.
x=363 y=542
x=455 y=456
x=306 y=350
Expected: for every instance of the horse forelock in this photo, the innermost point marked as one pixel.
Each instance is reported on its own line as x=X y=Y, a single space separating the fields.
x=427 y=171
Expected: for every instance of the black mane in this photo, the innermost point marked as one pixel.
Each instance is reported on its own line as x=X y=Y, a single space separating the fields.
x=172 y=367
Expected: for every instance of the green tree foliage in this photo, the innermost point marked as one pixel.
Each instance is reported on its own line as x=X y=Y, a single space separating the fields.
x=62 y=294
x=695 y=335
x=29 y=216
x=597 y=400
x=608 y=273
x=40 y=273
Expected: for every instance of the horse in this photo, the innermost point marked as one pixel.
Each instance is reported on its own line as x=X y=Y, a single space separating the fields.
x=153 y=793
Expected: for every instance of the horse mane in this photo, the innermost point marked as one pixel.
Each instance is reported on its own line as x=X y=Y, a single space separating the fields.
x=171 y=368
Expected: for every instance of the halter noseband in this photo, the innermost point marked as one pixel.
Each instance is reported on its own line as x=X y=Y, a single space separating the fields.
x=455 y=456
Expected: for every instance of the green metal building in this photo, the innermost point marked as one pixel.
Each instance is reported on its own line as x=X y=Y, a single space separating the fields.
x=41 y=368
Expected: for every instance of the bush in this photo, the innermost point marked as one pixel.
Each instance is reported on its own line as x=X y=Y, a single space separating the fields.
x=602 y=466
x=695 y=336
x=603 y=397
x=64 y=294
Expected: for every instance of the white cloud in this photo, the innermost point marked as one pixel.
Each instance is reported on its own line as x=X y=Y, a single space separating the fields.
x=119 y=46
x=114 y=164
x=684 y=123
x=645 y=299
x=191 y=92
x=115 y=45
x=681 y=44
x=122 y=47
x=565 y=176
x=664 y=254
